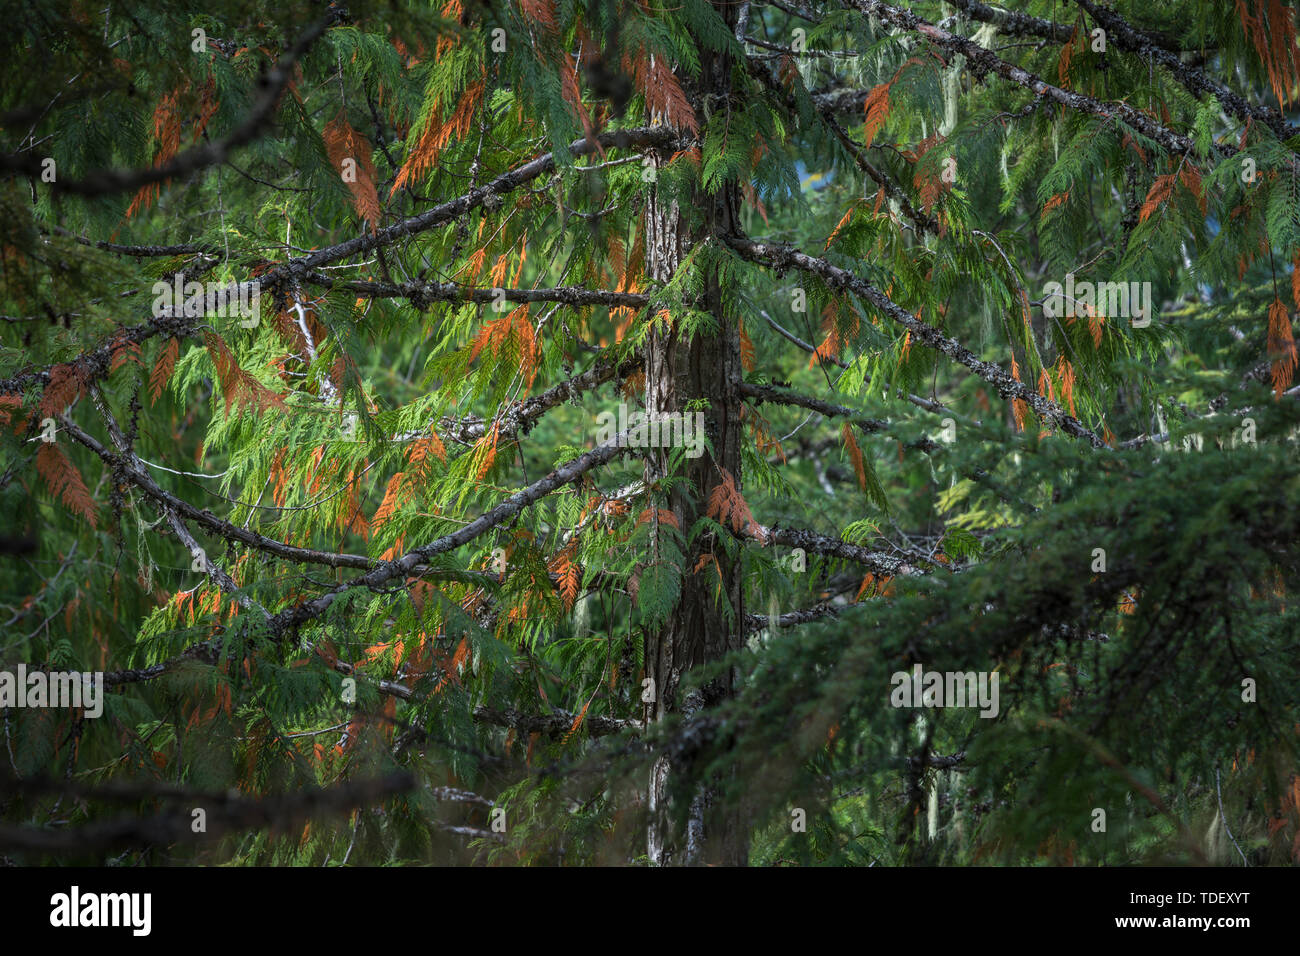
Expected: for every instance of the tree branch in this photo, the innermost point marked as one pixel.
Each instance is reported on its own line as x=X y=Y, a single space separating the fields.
x=223 y=813
x=423 y=293
x=557 y=724
x=1120 y=33
x=981 y=61
x=301 y=267
x=782 y=257
x=878 y=562
x=105 y=181
x=768 y=393
x=402 y=567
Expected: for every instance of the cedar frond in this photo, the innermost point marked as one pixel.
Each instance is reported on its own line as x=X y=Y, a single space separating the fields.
x=577 y=721
x=123 y=351
x=238 y=387
x=492 y=335
x=1054 y=202
x=163 y=368
x=764 y=439
x=342 y=142
x=486 y=451
x=726 y=505
x=566 y=570
x=1068 y=50
x=64 y=481
x=1281 y=347
x=391 y=500
x=1161 y=189
x=1018 y=406
x=167 y=134
x=663 y=515
x=65 y=387
x=840 y=225
x=876 y=108
x=1272 y=32
x=541 y=12
x=664 y=97
x=437 y=135
x=1066 y=373
x=1190 y=177
x=746 y=349
x=855 y=455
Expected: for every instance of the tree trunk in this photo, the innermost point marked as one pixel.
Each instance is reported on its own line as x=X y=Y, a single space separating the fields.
x=700 y=629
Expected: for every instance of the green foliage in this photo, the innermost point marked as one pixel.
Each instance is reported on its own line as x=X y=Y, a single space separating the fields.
x=383 y=587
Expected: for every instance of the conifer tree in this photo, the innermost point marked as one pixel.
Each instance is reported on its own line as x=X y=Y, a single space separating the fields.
x=692 y=432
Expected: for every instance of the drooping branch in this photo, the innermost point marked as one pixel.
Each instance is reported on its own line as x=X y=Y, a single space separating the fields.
x=570 y=471
x=826 y=110
x=930 y=405
x=872 y=425
x=1124 y=36
x=95 y=362
x=301 y=267
x=226 y=530
x=782 y=257
x=133 y=464
x=521 y=416
x=206 y=519
x=107 y=181
x=981 y=61
x=558 y=723
x=924 y=223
